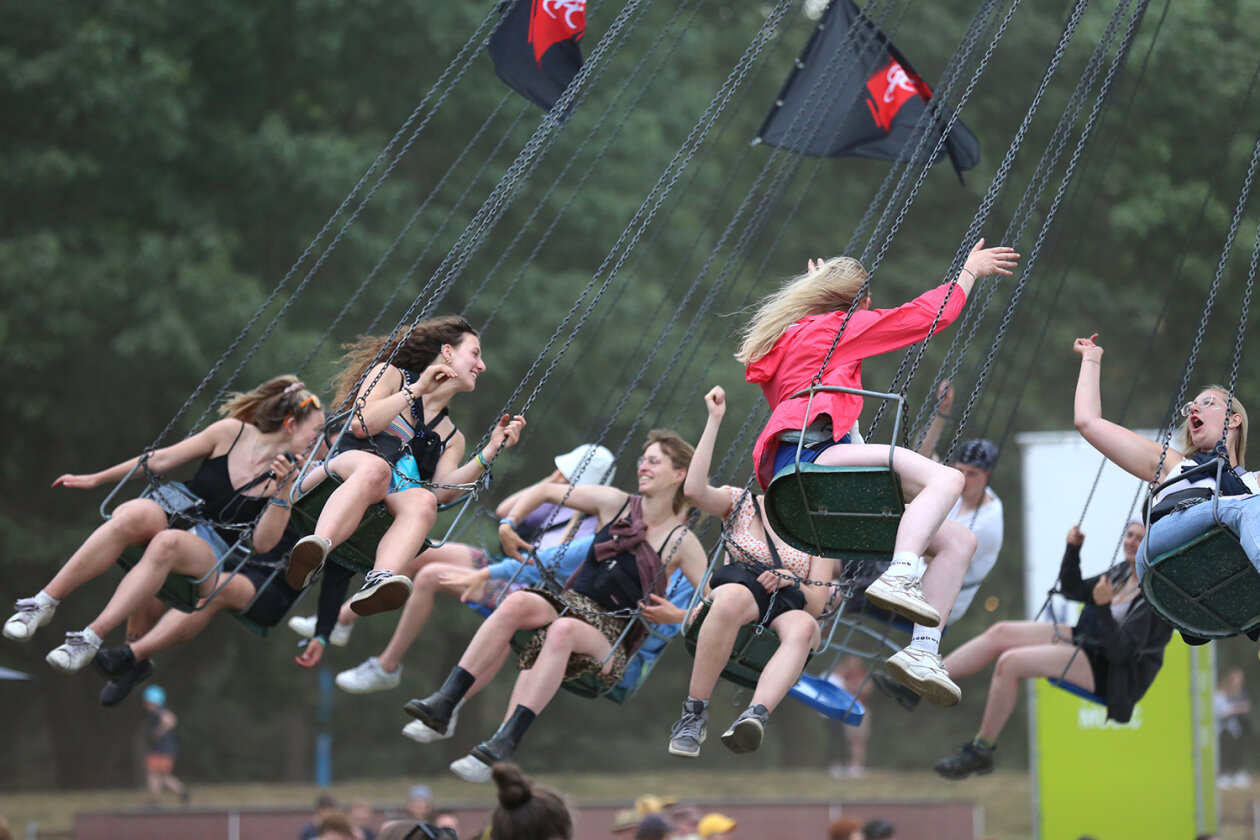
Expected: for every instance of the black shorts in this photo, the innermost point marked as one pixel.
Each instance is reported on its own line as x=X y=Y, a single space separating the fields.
x=274 y=599
x=769 y=606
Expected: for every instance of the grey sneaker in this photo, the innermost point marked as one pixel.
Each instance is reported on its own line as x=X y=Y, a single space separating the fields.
x=368 y=676
x=382 y=591
x=73 y=655
x=745 y=733
x=924 y=674
x=690 y=730
x=471 y=769
x=903 y=594
x=30 y=616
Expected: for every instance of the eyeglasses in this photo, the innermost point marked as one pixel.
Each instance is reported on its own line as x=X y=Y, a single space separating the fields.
x=651 y=462
x=311 y=400
x=1204 y=403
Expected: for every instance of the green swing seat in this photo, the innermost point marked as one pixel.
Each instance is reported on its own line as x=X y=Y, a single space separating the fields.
x=180 y=592
x=754 y=645
x=846 y=513
x=1206 y=588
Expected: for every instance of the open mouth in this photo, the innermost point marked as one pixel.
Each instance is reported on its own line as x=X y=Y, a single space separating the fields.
x=1196 y=422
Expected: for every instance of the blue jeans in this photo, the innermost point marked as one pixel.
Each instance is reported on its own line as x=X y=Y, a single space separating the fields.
x=785 y=453
x=1240 y=516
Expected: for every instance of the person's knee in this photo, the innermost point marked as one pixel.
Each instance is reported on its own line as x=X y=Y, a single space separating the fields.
x=731 y=601
x=371 y=475
x=165 y=548
x=949 y=479
x=563 y=634
x=796 y=628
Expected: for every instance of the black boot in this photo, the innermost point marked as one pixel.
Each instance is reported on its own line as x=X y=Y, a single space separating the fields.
x=505 y=741
x=435 y=710
x=117 y=689
x=115 y=661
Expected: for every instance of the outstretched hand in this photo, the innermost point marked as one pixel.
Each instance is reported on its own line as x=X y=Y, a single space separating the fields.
x=945 y=398
x=311 y=654
x=1087 y=349
x=982 y=261
x=78 y=482
x=470 y=582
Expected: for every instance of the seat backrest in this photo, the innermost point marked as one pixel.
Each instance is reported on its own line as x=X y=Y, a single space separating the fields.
x=847 y=513
x=1207 y=587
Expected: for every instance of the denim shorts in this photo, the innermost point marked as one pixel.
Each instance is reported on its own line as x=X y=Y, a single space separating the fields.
x=785 y=454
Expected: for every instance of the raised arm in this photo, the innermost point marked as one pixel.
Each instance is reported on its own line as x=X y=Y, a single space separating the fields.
x=1125 y=448
x=982 y=262
x=696 y=487
x=505 y=434
x=944 y=405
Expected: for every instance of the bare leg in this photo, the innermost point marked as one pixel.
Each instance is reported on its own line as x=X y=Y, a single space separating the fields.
x=798 y=634
x=414 y=512
x=520 y=610
x=144 y=619
x=1024 y=662
x=170 y=551
x=419 y=606
x=133 y=523
x=949 y=554
x=177 y=627
x=932 y=488
x=733 y=607
x=565 y=637
x=976 y=654
x=365 y=479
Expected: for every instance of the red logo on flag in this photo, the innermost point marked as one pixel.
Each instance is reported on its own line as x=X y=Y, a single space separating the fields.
x=890 y=87
x=553 y=21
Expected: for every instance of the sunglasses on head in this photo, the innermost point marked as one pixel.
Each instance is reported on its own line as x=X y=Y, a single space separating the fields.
x=311 y=400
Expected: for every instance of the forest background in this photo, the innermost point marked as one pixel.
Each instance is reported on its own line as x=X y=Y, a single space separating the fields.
x=165 y=164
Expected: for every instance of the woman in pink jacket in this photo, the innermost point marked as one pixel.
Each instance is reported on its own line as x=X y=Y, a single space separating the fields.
x=783 y=348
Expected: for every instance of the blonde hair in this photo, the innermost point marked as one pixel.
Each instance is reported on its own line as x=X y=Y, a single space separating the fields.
x=1181 y=437
x=271 y=403
x=412 y=350
x=679 y=453
x=837 y=285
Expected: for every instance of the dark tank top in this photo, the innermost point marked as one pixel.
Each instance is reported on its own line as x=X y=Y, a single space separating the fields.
x=221 y=501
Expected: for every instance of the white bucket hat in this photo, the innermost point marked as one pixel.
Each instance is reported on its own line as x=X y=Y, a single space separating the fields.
x=597 y=469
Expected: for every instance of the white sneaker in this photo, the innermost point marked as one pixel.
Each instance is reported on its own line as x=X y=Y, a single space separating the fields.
x=903 y=595
x=471 y=769
x=368 y=676
x=421 y=734
x=30 y=616
x=382 y=591
x=73 y=655
x=304 y=626
x=305 y=561
x=924 y=674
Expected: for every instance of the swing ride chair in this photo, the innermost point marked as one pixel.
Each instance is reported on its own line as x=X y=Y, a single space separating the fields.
x=755 y=644
x=179 y=591
x=846 y=513
x=358 y=552
x=1208 y=587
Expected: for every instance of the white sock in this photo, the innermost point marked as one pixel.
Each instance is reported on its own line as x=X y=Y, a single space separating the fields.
x=904 y=563
x=46 y=600
x=90 y=636
x=926 y=638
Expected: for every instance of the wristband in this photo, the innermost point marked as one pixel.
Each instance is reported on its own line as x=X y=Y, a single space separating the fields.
x=481 y=459
x=508 y=521
x=969 y=271
x=279 y=502
x=323 y=641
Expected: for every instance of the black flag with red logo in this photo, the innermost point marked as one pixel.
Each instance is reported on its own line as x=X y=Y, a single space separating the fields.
x=853 y=93
x=535 y=49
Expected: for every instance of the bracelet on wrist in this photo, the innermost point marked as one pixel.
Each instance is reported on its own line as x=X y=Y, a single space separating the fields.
x=321 y=639
x=1095 y=361
x=969 y=271
x=481 y=459
x=508 y=521
x=280 y=502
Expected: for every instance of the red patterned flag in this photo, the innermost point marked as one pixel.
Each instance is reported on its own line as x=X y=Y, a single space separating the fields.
x=535 y=49
x=854 y=93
